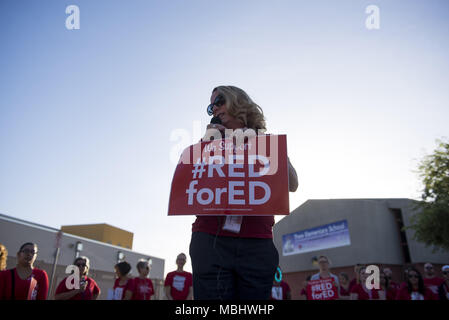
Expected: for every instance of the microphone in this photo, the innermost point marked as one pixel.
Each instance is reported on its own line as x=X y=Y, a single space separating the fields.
x=215 y=120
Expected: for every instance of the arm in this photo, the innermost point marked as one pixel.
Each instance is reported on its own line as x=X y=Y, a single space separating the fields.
x=128 y=295
x=43 y=287
x=190 y=295
x=292 y=177
x=167 y=293
x=67 y=295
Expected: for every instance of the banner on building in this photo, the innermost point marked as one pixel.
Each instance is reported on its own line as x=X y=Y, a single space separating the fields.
x=323 y=237
x=224 y=177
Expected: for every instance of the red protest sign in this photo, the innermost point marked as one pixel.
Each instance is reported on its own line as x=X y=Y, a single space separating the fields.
x=223 y=177
x=323 y=289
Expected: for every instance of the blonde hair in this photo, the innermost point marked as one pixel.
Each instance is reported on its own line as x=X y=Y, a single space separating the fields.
x=3 y=257
x=85 y=259
x=241 y=107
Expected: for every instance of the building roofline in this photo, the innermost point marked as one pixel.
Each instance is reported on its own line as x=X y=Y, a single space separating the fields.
x=47 y=228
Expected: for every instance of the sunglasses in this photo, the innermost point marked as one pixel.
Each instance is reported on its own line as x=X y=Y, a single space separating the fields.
x=79 y=265
x=218 y=102
x=26 y=251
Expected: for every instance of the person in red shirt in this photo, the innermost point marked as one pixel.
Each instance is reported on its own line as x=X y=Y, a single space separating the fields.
x=386 y=286
x=303 y=293
x=430 y=280
x=178 y=284
x=389 y=275
x=123 y=285
x=344 y=286
x=415 y=288
x=88 y=288
x=281 y=289
x=143 y=286
x=356 y=280
x=234 y=257
x=361 y=292
x=443 y=289
x=24 y=282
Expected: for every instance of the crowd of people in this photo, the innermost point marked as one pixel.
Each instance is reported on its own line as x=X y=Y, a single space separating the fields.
x=26 y=282
x=415 y=286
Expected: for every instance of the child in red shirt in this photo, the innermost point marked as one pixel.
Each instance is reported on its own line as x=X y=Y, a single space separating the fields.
x=178 y=284
x=143 y=286
x=123 y=285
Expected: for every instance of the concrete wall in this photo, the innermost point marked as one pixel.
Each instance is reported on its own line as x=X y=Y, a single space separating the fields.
x=372 y=229
x=418 y=251
x=374 y=233
x=103 y=257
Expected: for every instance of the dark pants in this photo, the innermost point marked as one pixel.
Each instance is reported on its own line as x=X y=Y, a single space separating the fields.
x=228 y=268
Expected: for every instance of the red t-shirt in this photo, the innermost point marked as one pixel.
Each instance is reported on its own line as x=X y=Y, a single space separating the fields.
x=279 y=292
x=391 y=293
x=179 y=282
x=143 y=289
x=120 y=290
x=33 y=288
x=344 y=292
x=352 y=284
x=433 y=284
x=91 y=290
x=403 y=294
x=372 y=294
x=251 y=227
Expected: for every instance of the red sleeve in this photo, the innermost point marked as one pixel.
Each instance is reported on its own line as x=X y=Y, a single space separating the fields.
x=354 y=289
x=168 y=280
x=96 y=288
x=43 y=286
x=129 y=286
x=61 y=287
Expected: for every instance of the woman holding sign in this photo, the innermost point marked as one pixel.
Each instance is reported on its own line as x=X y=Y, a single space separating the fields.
x=233 y=257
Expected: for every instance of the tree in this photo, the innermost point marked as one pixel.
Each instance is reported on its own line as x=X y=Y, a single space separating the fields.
x=431 y=222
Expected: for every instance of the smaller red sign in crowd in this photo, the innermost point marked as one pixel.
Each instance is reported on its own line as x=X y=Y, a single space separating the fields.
x=323 y=289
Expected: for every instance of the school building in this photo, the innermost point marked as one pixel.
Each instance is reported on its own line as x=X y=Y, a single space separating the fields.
x=348 y=232
x=103 y=255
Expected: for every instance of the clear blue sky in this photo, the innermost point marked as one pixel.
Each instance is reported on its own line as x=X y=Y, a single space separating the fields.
x=89 y=118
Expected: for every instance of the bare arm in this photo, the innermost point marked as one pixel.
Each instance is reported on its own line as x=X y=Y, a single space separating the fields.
x=128 y=295
x=292 y=177
x=167 y=293
x=190 y=295
x=67 y=295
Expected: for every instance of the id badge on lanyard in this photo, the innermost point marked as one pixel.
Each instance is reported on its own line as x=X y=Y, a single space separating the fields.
x=233 y=223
